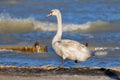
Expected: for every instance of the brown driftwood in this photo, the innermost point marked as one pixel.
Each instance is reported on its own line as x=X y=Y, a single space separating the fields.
x=31 y=49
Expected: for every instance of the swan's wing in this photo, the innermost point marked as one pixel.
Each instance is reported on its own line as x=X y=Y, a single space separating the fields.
x=72 y=49
x=71 y=44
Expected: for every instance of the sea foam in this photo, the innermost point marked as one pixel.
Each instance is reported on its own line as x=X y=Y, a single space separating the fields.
x=9 y=24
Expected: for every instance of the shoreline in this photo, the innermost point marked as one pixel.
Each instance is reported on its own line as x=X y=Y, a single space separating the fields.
x=53 y=72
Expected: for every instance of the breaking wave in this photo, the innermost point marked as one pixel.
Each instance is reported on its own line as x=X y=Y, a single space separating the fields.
x=18 y=25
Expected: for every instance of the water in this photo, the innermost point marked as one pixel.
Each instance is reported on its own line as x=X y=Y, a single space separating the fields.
x=24 y=22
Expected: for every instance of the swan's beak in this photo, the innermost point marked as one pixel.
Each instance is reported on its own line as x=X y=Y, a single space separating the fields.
x=50 y=14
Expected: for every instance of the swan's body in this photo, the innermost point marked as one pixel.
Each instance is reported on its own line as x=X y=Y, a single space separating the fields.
x=67 y=48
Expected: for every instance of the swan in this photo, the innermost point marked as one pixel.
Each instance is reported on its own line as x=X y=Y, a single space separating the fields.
x=67 y=49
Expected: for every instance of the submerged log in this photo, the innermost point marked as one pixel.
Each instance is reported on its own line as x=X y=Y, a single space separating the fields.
x=31 y=49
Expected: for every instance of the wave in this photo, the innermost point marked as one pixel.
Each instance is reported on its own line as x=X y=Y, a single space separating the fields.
x=18 y=25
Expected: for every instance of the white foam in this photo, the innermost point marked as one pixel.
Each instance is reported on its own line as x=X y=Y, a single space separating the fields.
x=107 y=48
x=9 y=24
x=101 y=53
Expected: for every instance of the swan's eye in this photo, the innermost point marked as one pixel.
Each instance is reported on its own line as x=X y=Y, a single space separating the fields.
x=51 y=11
x=50 y=14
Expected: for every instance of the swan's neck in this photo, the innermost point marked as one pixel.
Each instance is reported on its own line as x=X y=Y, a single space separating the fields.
x=59 y=29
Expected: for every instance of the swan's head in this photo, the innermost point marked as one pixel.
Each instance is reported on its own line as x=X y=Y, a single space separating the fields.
x=53 y=12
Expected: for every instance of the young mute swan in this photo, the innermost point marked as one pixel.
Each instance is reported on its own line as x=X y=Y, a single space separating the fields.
x=67 y=49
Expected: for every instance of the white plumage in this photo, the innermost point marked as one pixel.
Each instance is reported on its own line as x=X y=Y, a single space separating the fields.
x=66 y=48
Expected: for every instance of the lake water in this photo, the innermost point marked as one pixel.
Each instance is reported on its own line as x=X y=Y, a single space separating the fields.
x=23 y=22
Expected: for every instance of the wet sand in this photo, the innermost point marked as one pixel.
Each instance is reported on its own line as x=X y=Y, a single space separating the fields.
x=57 y=73
x=58 y=77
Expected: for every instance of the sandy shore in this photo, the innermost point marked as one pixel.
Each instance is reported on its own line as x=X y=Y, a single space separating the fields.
x=56 y=73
